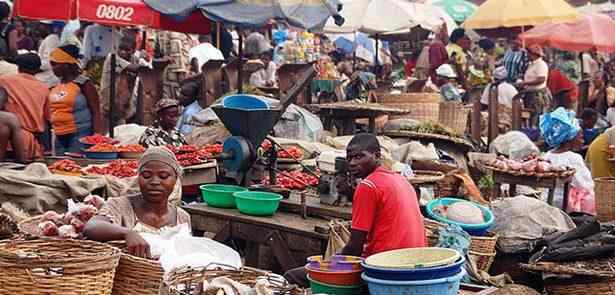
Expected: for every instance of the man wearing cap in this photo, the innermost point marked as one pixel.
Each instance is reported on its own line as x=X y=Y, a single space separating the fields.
x=24 y=96
x=506 y=91
x=538 y=98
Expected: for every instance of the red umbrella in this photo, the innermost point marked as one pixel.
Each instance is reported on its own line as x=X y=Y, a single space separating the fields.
x=590 y=30
x=112 y=13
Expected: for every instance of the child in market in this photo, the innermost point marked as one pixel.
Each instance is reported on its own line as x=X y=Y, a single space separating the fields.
x=448 y=90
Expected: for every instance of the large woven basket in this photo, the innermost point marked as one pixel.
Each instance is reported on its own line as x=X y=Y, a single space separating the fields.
x=135 y=275
x=454 y=115
x=421 y=106
x=484 y=244
x=605 y=198
x=577 y=286
x=483 y=260
x=54 y=266
x=189 y=281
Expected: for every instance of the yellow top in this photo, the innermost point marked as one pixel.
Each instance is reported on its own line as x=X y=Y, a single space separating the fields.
x=460 y=58
x=598 y=159
x=516 y=13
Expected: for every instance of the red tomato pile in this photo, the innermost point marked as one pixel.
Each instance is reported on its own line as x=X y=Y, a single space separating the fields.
x=117 y=168
x=214 y=149
x=292 y=152
x=131 y=148
x=103 y=148
x=303 y=180
x=190 y=155
x=97 y=139
x=66 y=166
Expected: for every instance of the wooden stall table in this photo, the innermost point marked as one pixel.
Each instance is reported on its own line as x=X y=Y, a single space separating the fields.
x=278 y=243
x=549 y=183
x=348 y=112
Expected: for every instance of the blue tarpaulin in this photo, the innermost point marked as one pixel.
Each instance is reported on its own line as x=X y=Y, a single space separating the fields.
x=306 y=14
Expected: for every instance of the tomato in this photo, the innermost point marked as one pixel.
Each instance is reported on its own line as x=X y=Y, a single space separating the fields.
x=103 y=147
x=97 y=139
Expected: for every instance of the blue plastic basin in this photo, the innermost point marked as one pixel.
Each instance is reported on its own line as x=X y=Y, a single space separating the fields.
x=245 y=102
x=443 y=286
x=473 y=229
x=415 y=274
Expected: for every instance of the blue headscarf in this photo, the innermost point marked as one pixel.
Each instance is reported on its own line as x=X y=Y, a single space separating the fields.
x=559 y=127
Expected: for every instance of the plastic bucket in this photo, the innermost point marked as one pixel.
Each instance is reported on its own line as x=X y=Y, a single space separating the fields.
x=323 y=288
x=245 y=102
x=444 y=286
x=257 y=203
x=427 y=273
x=219 y=195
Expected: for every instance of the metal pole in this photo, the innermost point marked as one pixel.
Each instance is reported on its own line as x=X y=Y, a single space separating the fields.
x=240 y=66
x=112 y=94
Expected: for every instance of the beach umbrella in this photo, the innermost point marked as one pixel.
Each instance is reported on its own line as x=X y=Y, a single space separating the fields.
x=607 y=8
x=520 y=13
x=306 y=14
x=458 y=9
x=112 y=13
x=590 y=30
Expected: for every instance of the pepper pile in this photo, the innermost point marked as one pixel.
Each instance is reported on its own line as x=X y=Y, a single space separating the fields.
x=292 y=152
x=103 y=148
x=131 y=148
x=97 y=139
x=65 y=166
x=214 y=149
x=190 y=155
x=117 y=168
x=296 y=180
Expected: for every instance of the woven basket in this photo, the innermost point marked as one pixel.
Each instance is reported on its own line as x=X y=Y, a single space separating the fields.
x=605 y=198
x=53 y=266
x=432 y=230
x=421 y=106
x=483 y=260
x=454 y=115
x=135 y=275
x=577 y=286
x=189 y=281
x=485 y=244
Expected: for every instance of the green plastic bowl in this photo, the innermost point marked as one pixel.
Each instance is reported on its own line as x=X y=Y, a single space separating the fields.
x=220 y=195
x=322 y=288
x=257 y=203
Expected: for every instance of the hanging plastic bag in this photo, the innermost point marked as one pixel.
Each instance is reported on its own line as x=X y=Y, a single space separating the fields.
x=339 y=235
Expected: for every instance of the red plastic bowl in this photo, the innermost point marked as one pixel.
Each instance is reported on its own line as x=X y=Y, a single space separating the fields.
x=339 y=278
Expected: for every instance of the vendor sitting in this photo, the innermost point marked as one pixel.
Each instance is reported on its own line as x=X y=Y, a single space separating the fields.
x=446 y=76
x=598 y=155
x=124 y=218
x=564 y=137
x=385 y=209
x=165 y=130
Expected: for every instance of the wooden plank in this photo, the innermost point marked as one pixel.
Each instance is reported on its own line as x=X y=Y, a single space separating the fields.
x=282 y=252
x=315 y=208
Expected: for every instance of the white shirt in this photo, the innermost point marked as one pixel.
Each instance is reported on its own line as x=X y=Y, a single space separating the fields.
x=46 y=75
x=610 y=116
x=7 y=68
x=262 y=76
x=99 y=41
x=590 y=65
x=506 y=93
x=535 y=69
x=205 y=52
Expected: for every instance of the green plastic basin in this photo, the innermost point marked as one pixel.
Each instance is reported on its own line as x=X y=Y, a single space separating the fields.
x=322 y=288
x=220 y=195
x=257 y=203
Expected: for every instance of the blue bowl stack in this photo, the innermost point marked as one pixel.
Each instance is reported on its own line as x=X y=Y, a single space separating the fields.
x=442 y=279
x=472 y=229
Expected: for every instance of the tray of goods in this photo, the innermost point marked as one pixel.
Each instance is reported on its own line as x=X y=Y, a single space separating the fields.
x=287 y=154
x=101 y=151
x=66 y=167
x=190 y=155
x=131 y=151
x=294 y=180
x=65 y=226
x=214 y=149
x=529 y=166
x=97 y=139
x=117 y=168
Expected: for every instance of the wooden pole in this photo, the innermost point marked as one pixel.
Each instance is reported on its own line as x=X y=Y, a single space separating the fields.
x=240 y=66
x=112 y=95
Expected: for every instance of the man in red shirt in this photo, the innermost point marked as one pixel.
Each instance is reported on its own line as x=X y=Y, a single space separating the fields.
x=565 y=92
x=385 y=209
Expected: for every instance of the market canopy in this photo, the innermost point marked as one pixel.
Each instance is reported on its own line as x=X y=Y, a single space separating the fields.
x=606 y=8
x=520 y=13
x=387 y=16
x=306 y=14
x=112 y=13
x=459 y=10
x=590 y=30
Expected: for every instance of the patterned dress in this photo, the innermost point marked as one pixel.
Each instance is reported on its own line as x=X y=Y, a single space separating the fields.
x=156 y=136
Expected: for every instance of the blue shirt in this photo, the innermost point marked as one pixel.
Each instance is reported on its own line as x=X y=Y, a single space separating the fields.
x=515 y=63
x=184 y=125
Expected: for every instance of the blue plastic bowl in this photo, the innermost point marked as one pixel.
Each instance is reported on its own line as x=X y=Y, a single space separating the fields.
x=472 y=229
x=416 y=274
x=245 y=102
x=443 y=286
x=101 y=155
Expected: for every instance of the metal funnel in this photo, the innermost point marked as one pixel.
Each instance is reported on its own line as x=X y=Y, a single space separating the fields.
x=253 y=125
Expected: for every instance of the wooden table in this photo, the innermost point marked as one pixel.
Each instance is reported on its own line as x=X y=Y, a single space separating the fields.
x=349 y=112
x=278 y=243
x=549 y=183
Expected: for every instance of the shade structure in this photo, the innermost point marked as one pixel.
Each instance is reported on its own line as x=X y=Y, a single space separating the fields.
x=459 y=10
x=607 y=8
x=590 y=30
x=387 y=16
x=306 y=14
x=113 y=13
x=517 y=13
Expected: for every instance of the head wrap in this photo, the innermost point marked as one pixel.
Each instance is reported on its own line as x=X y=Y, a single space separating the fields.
x=500 y=73
x=28 y=61
x=559 y=127
x=165 y=103
x=161 y=154
x=60 y=56
x=536 y=49
x=457 y=34
x=486 y=44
